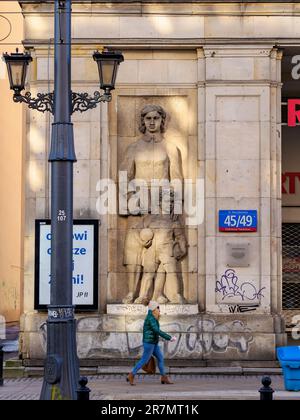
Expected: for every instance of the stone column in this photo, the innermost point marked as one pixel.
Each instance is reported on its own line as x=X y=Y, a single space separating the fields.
x=276 y=217
x=242 y=151
x=201 y=175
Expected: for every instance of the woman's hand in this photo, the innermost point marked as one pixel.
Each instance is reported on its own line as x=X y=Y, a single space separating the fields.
x=173 y=338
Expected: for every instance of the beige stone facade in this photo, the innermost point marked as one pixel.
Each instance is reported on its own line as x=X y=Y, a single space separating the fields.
x=216 y=69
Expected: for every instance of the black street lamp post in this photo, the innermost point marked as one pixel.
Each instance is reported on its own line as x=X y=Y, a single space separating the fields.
x=61 y=366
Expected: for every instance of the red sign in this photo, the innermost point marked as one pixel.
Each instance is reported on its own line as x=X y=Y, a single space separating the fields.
x=289 y=182
x=293 y=113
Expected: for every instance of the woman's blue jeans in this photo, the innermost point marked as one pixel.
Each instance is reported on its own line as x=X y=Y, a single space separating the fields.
x=149 y=350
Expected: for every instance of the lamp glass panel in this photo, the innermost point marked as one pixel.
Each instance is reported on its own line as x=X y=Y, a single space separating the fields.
x=107 y=72
x=17 y=74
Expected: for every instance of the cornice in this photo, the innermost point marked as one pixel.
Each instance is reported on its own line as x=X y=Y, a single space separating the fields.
x=166 y=7
x=229 y=44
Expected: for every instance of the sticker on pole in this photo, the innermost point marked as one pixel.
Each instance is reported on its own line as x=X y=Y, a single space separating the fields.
x=237 y=220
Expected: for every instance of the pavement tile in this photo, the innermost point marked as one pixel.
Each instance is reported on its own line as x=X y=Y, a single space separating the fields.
x=186 y=387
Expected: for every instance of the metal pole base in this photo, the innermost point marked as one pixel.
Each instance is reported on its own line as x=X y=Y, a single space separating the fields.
x=61 y=371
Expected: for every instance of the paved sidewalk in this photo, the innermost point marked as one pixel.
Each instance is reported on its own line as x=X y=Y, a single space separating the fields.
x=186 y=387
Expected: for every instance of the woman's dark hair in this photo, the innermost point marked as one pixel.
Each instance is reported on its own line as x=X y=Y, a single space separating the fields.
x=151 y=108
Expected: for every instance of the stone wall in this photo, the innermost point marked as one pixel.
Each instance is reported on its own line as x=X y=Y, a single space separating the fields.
x=201 y=338
x=216 y=70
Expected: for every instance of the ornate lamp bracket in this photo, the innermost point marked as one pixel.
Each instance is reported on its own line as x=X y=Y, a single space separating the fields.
x=44 y=101
x=83 y=102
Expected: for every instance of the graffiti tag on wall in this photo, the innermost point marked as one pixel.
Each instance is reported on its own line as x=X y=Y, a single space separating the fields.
x=201 y=338
x=229 y=286
x=242 y=308
x=207 y=336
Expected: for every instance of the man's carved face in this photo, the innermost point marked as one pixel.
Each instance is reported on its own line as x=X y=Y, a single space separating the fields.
x=153 y=122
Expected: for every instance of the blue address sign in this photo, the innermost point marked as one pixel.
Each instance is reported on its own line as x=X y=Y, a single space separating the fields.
x=237 y=220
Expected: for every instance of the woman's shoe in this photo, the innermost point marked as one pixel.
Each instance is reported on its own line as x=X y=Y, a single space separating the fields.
x=130 y=378
x=165 y=380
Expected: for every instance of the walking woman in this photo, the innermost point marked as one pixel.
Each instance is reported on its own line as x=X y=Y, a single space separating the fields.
x=151 y=333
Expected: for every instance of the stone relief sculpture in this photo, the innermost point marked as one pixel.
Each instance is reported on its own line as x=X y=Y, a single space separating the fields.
x=165 y=244
x=154 y=243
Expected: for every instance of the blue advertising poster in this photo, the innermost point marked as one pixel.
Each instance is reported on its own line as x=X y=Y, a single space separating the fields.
x=237 y=220
x=84 y=259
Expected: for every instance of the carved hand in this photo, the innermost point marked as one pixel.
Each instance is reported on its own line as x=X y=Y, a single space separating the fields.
x=178 y=252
